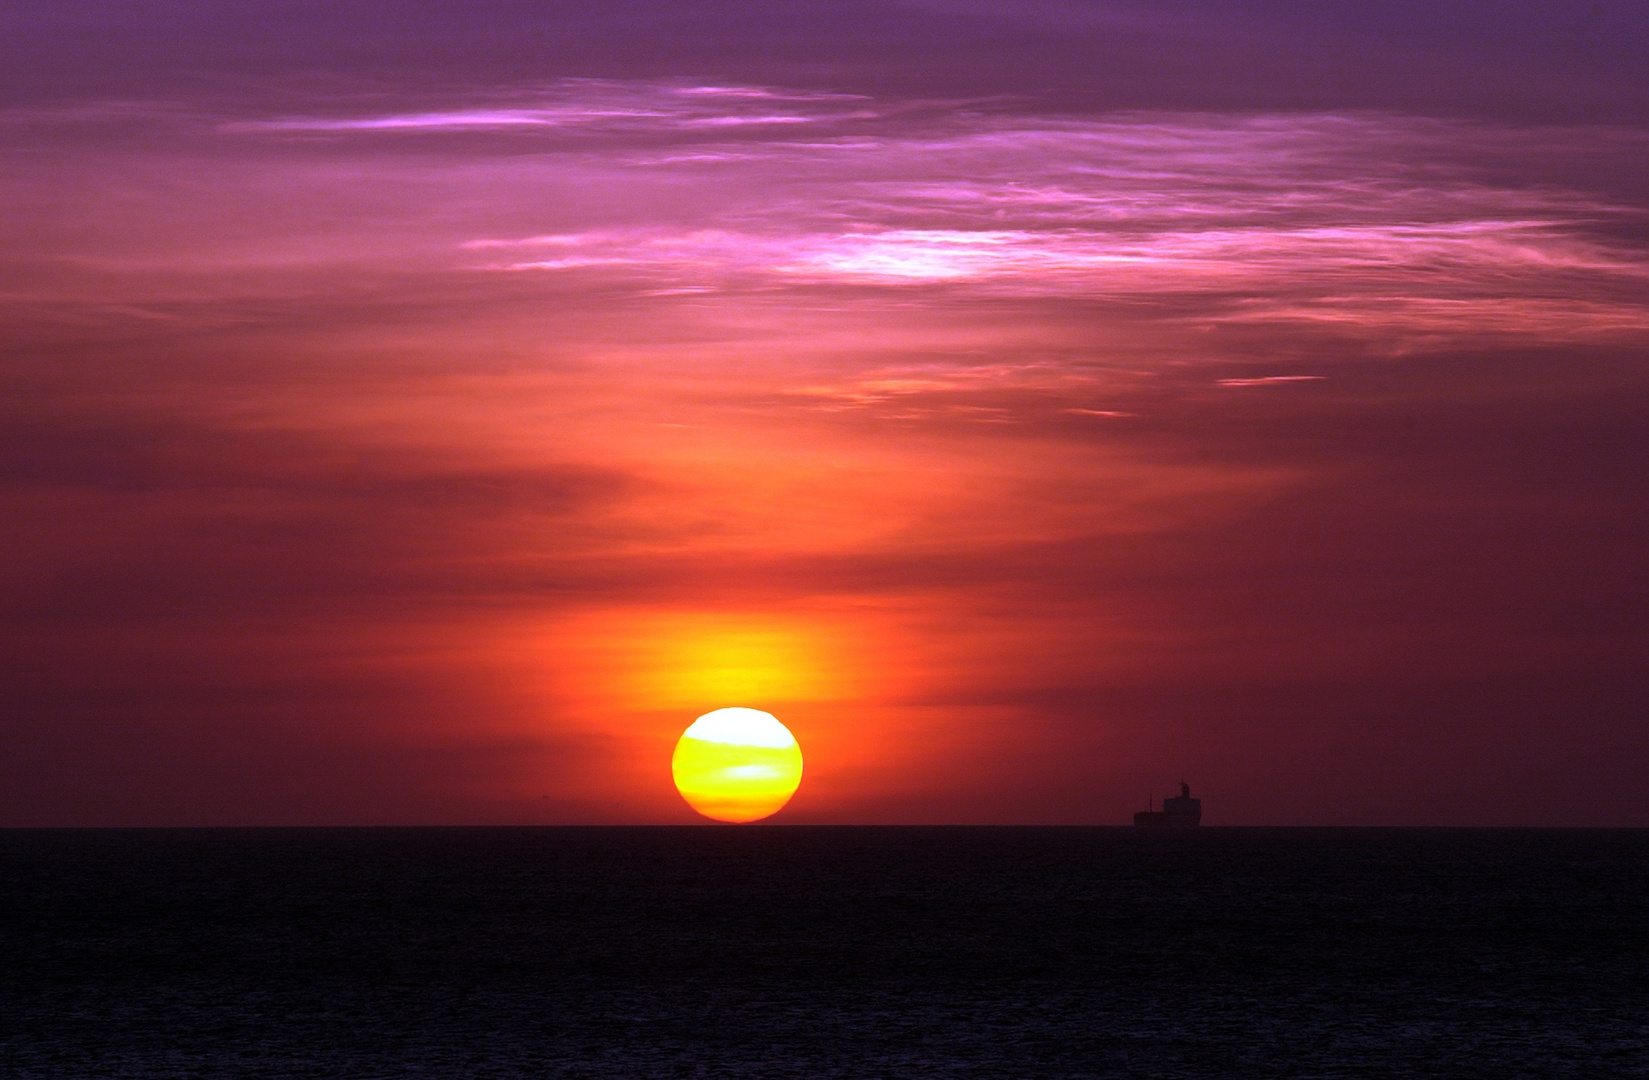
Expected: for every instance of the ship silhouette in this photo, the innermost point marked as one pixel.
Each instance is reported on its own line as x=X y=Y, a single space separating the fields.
x=1182 y=812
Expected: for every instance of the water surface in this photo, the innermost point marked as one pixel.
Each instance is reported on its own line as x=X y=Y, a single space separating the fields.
x=824 y=952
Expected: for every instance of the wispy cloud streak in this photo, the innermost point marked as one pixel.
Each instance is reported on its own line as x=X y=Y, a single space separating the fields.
x=1323 y=216
x=619 y=107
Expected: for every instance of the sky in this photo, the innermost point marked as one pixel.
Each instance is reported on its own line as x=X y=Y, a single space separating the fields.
x=419 y=413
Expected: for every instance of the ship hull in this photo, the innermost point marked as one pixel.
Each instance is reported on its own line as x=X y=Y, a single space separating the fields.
x=1161 y=819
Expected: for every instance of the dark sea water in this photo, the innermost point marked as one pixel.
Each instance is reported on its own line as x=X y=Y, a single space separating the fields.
x=824 y=952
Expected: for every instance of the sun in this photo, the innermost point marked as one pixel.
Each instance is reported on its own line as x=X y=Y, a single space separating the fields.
x=737 y=765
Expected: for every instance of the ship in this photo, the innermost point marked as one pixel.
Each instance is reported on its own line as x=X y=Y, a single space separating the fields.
x=1182 y=812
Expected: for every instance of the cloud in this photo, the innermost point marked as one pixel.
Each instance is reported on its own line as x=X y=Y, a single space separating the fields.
x=398 y=425
x=1266 y=380
x=586 y=105
x=1332 y=219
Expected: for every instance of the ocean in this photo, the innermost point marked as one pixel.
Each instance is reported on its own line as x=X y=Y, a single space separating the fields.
x=852 y=952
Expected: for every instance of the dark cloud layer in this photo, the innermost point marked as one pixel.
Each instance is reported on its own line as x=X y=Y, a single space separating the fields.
x=1529 y=59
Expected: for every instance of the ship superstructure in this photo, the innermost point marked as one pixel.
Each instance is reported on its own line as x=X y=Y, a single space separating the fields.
x=1180 y=812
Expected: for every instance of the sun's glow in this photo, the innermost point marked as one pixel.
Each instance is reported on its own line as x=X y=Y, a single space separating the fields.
x=737 y=765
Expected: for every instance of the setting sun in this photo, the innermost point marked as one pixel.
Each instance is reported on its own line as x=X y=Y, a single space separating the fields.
x=737 y=765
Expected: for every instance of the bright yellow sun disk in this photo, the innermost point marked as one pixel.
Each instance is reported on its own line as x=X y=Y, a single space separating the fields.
x=737 y=765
